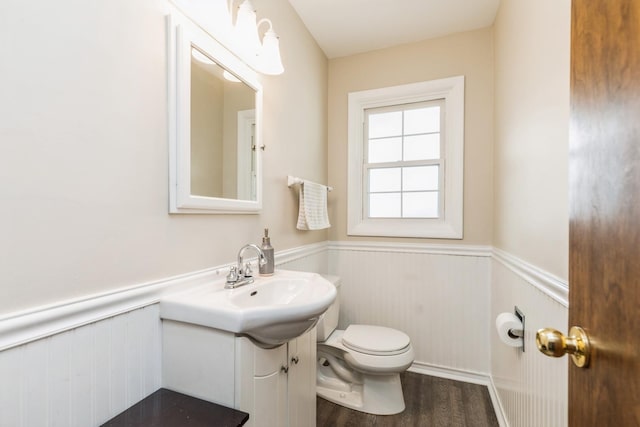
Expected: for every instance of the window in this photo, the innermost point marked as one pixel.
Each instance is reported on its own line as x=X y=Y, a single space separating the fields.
x=406 y=160
x=402 y=163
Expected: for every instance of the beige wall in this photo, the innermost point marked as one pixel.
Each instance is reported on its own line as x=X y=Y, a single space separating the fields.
x=469 y=54
x=207 y=126
x=84 y=152
x=531 y=132
x=237 y=97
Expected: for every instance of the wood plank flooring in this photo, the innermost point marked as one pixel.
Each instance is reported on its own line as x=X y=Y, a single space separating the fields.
x=430 y=402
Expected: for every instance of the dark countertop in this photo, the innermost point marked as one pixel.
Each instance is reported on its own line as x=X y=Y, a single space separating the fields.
x=166 y=408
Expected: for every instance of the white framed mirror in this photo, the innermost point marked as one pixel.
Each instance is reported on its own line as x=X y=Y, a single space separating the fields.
x=215 y=103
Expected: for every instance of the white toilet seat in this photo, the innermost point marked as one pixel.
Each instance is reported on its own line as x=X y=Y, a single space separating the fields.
x=375 y=340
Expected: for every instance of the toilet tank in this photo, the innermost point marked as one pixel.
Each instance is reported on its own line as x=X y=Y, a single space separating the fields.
x=328 y=322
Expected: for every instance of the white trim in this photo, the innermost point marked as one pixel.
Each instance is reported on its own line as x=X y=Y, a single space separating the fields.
x=551 y=285
x=423 y=248
x=40 y=322
x=497 y=404
x=480 y=378
x=471 y=377
x=246 y=148
x=289 y=255
x=451 y=225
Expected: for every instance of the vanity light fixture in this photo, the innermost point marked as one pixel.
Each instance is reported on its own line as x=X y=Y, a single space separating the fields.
x=263 y=56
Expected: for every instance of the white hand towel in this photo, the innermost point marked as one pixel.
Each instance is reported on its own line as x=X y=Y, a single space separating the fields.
x=312 y=214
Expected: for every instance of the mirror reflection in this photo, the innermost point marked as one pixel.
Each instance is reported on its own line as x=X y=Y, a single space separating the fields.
x=223 y=152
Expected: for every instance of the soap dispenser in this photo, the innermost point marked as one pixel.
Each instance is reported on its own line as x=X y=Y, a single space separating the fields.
x=267 y=249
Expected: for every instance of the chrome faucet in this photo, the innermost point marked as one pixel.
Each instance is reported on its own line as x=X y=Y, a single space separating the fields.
x=242 y=274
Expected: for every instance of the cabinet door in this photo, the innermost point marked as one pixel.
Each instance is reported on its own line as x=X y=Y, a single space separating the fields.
x=261 y=384
x=270 y=401
x=302 y=380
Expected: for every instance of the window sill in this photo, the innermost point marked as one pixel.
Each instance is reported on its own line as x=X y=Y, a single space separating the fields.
x=417 y=228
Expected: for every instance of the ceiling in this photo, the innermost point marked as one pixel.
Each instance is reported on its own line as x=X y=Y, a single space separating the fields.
x=347 y=27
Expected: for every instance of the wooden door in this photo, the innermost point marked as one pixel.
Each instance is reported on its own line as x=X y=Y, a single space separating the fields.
x=604 y=186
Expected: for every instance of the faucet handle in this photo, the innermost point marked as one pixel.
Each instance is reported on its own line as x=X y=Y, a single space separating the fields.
x=232 y=277
x=248 y=272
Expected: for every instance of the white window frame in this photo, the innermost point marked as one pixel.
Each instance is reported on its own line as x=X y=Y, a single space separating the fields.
x=450 y=224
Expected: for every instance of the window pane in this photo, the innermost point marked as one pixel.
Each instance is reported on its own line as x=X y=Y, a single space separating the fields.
x=422 y=120
x=420 y=205
x=384 y=179
x=385 y=150
x=422 y=147
x=385 y=205
x=385 y=124
x=420 y=178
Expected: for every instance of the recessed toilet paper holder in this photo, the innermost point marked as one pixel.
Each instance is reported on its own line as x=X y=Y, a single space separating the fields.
x=518 y=333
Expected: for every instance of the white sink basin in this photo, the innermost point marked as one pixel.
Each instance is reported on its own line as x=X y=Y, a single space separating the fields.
x=272 y=310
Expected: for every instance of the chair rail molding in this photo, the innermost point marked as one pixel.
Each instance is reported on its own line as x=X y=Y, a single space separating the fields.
x=424 y=248
x=40 y=322
x=551 y=285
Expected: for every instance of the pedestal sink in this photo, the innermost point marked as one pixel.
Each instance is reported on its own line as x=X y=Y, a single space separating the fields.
x=271 y=311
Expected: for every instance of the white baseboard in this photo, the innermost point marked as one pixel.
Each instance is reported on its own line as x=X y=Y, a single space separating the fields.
x=467 y=377
x=450 y=373
x=497 y=404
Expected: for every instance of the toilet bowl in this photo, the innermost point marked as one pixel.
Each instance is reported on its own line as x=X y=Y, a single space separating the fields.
x=360 y=367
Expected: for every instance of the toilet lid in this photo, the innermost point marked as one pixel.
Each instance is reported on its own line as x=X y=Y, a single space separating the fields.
x=375 y=340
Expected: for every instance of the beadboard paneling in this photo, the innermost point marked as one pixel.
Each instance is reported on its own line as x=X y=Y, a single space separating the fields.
x=439 y=297
x=531 y=387
x=82 y=377
x=445 y=297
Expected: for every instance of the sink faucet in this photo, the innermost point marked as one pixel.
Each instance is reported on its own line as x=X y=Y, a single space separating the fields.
x=242 y=273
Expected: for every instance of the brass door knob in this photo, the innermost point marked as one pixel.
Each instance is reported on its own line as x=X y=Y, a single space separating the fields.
x=552 y=343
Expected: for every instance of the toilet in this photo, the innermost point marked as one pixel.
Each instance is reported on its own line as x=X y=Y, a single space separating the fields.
x=360 y=367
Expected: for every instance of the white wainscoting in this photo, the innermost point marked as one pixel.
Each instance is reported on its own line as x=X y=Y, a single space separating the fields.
x=79 y=363
x=531 y=388
x=436 y=294
x=82 y=377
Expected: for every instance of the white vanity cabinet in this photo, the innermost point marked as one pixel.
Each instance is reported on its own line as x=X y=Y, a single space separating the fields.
x=275 y=386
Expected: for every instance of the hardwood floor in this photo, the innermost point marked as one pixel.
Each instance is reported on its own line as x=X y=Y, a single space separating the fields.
x=430 y=401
